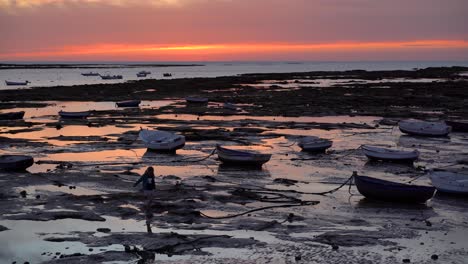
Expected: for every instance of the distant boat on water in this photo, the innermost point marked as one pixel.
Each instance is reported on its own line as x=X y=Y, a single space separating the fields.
x=196 y=100
x=128 y=103
x=17 y=83
x=167 y=74
x=111 y=77
x=141 y=74
x=144 y=72
x=90 y=74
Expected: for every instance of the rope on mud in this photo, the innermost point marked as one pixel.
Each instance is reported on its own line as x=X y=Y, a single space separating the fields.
x=303 y=203
x=351 y=152
x=197 y=160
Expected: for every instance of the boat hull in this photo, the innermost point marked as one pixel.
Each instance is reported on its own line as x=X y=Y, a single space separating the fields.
x=161 y=141
x=16 y=83
x=317 y=145
x=382 y=190
x=196 y=100
x=244 y=158
x=73 y=115
x=12 y=116
x=450 y=182
x=382 y=154
x=133 y=103
x=15 y=162
x=424 y=129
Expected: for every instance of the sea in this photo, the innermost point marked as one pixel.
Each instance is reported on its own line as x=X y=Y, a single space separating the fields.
x=40 y=77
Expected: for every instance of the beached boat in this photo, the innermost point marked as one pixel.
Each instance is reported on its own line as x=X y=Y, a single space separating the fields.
x=196 y=100
x=162 y=140
x=423 y=128
x=82 y=114
x=242 y=157
x=12 y=115
x=15 y=162
x=141 y=75
x=378 y=189
x=144 y=72
x=386 y=154
x=230 y=106
x=314 y=144
x=90 y=74
x=17 y=83
x=128 y=103
x=111 y=77
x=167 y=74
x=458 y=125
x=450 y=182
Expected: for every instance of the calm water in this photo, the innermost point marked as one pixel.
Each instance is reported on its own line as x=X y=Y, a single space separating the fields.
x=54 y=77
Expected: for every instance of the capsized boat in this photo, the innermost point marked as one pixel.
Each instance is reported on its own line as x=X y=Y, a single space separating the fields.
x=161 y=140
x=17 y=83
x=82 y=114
x=423 y=128
x=450 y=182
x=15 y=162
x=458 y=125
x=128 y=103
x=196 y=100
x=386 y=154
x=377 y=189
x=90 y=74
x=314 y=144
x=242 y=157
x=12 y=115
x=111 y=77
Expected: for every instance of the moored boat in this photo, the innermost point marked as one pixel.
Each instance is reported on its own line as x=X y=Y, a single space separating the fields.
x=141 y=75
x=242 y=157
x=144 y=72
x=386 y=154
x=196 y=100
x=15 y=162
x=450 y=182
x=230 y=106
x=111 y=77
x=128 y=103
x=167 y=74
x=12 y=115
x=90 y=74
x=423 y=128
x=314 y=144
x=161 y=140
x=17 y=83
x=389 y=191
x=82 y=114
x=458 y=125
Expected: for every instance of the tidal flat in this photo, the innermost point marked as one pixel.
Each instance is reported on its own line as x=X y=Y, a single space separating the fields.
x=76 y=204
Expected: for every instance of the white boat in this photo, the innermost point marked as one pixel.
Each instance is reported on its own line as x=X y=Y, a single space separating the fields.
x=242 y=157
x=17 y=83
x=314 y=144
x=196 y=100
x=90 y=74
x=82 y=114
x=450 y=182
x=386 y=154
x=423 y=128
x=161 y=140
x=111 y=77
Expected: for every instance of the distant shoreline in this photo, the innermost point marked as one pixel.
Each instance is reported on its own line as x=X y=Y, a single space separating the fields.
x=10 y=66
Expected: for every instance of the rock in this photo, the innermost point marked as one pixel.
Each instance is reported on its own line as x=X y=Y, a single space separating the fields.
x=428 y=223
x=335 y=247
x=23 y=194
x=434 y=257
x=406 y=261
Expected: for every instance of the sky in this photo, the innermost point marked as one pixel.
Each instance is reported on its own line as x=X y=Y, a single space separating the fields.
x=233 y=30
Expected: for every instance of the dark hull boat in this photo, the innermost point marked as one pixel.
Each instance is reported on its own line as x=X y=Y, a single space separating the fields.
x=87 y=74
x=458 y=125
x=76 y=115
x=383 y=190
x=15 y=162
x=12 y=115
x=129 y=103
x=242 y=157
x=16 y=83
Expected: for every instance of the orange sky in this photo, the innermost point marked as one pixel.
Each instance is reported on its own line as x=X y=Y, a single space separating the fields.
x=194 y=30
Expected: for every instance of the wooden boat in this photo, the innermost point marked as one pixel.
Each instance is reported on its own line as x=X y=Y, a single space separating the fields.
x=90 y=74
x=128 y=103
x=83 y=114
x=314 y=144
x=162 y=140
x=386 y=154
x=458 y=125
x=17 y=83
x=15 y=162
x=12 y=115
x=378 y=189
x=196 y=100
x=111 y=77
x=450 y=182
x=167 y=74
x=423 y=128
x=242 y=157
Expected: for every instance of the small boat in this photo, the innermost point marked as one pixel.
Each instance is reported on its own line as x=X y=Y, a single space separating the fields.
x=196 y=100
x=17 y=83
x=15 y=162
x=12 y=115
x=90 y=74
x=377 y=189
x=242 y=157
x=167 y=74
x=162 y=140
x=128 y=103
x=458 y=125
x=314 y=144
x=423 y=128
x=144 y=72
x=230 y=106
x=83 y=114
x=141 y=75
x=386 y=154
x=450 y=182
x=111 y=77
